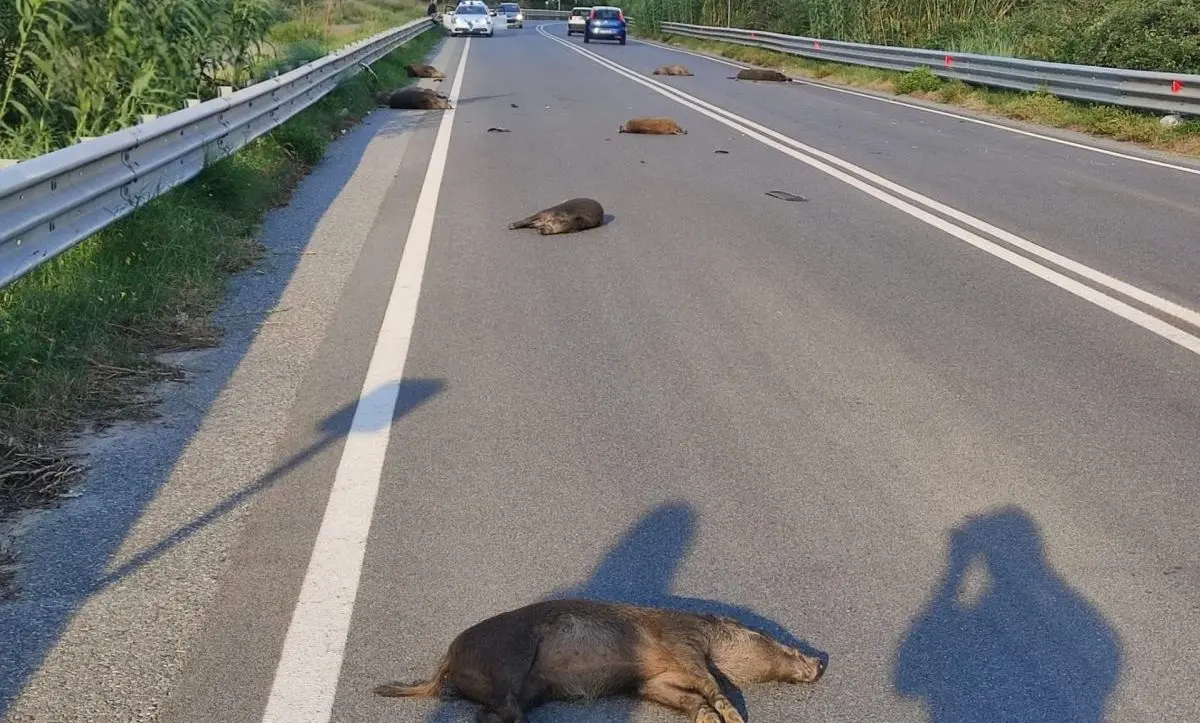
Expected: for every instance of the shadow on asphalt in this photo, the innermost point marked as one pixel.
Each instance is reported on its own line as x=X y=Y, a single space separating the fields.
x=1004 y=637
x=411 y=394
x=640 y=569
x=1025 y=647
x=65 y=560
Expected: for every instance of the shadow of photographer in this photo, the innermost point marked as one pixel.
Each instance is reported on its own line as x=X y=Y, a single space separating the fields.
x=1004 y=637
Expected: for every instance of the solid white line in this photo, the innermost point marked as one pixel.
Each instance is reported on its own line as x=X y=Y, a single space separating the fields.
x=760 y=133
x=936 y=111
x=307 y=676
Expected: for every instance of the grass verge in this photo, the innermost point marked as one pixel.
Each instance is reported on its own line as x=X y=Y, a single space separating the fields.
x=1103 y=121
x=79 y=335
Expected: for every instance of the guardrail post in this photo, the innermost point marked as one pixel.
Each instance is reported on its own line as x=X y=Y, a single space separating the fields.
x=224 y=91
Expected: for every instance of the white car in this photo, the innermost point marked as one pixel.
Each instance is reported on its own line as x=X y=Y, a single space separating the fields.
x=471 y=18
x=512 y=14
x=577 y=22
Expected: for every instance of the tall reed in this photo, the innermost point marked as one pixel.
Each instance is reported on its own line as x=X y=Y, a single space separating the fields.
x=75 y=68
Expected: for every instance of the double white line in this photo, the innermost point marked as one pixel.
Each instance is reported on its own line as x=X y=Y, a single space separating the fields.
x=894 y=195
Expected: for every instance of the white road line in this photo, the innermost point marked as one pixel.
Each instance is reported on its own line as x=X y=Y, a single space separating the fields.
x=307 y=676
x=764 y=135
x=936 y=111
x=1113 y=284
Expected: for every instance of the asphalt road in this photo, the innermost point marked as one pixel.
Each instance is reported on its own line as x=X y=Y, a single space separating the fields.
x=959 y=459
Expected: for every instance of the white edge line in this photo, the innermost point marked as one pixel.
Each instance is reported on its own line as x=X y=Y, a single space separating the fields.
x=935 y=111
x=1115 y=306
x=309 y=667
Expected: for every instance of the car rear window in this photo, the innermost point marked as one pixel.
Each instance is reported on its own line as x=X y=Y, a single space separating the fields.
x=580 y=12
x=469 y=10
x=509 y=7
x=607 y=14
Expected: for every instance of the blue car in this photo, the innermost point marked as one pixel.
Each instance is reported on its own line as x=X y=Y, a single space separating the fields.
x=605 y=22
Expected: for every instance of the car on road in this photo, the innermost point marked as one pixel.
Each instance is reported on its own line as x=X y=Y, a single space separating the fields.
x=471 y=18
x=606 y=22
x=577 y=21
x=512 y=15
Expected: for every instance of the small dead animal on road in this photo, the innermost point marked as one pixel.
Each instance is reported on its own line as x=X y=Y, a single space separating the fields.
x=675 y=69
x=760 y=74
x=417 y=99
x=576 y=214
x=417 y=70
x=653 y=125
x=585 y=649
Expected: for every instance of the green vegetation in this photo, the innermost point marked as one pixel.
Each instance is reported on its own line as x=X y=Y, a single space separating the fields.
x=78 y=68
x=79 y=335
x=1139 y=34
x=1041 y=108
x=919 y=79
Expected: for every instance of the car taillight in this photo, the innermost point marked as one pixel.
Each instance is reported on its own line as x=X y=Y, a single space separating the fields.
x=592 y=15
x=620 y=16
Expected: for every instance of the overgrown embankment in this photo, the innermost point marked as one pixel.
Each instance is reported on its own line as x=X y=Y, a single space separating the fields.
x=1138 y=34
x=71 y=69
x=79 y=335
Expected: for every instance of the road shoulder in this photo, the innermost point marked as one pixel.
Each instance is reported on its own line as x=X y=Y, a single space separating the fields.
x=138 y=562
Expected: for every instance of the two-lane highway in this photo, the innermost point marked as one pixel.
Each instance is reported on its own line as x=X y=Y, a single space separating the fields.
x=964 y=469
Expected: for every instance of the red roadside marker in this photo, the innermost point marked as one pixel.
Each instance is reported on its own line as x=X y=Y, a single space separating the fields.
x=816 y=45
x=1176 y=86
x=949 y=61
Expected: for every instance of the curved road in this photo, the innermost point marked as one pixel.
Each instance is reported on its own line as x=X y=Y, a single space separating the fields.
x=938 y=420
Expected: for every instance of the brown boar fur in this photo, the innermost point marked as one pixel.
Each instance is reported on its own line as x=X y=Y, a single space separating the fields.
x=417 y=70
x=675 y=69
x=586 y=649
x=761 y=74
x=413 y=98
x=653 y=125
x=576 y=214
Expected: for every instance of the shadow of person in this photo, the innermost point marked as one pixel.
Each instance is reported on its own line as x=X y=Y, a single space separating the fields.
x=1004 y=638
x=640 y=569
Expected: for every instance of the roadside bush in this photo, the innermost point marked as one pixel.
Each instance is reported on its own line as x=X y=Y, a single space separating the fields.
x=919 y=79
x=1144 y=35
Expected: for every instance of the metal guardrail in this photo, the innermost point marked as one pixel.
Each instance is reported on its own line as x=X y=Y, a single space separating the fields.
x=546 y=14
x=51 y=202
x=555 y=15
x=1141 y=89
